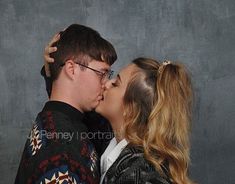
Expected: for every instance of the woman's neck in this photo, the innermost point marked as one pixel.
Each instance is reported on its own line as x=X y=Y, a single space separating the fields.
x=117 y=129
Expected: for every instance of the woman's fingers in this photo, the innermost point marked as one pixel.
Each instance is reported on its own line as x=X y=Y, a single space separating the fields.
x=52 y=49
x=49 y=49
x=48 y=59
x=55 y=38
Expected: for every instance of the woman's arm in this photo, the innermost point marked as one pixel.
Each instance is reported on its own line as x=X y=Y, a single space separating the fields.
x=45 y=71
x=48 y=81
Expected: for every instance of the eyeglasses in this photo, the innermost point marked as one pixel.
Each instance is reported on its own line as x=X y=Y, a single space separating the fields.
x=103 y=75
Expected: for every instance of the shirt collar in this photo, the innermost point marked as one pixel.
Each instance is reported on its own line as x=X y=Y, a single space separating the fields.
x=115 y=152
x=64 y=108
x=111 y=153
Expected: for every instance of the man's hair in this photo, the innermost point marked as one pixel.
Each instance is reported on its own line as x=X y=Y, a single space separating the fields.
x=81 y=44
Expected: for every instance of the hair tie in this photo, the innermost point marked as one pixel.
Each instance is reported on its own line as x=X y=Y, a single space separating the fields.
x=166 y=62
x=163 y=65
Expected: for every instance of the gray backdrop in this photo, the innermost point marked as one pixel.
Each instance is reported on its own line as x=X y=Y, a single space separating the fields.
x=199 y=33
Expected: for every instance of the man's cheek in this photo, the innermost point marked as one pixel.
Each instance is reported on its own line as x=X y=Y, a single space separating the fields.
x=99 y=89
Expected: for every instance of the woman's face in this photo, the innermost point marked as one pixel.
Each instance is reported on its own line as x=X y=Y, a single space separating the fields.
x=111 y=106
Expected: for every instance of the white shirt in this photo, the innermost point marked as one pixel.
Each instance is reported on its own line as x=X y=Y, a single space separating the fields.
x=110 y=155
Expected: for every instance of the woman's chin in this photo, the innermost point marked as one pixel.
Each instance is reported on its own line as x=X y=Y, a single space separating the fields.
x=103 y=111
x=102 y=108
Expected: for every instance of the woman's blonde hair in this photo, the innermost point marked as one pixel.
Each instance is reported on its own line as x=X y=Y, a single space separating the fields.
x=157 y=104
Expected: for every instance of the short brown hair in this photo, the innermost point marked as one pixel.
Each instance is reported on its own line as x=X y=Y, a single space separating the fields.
x=83 y=43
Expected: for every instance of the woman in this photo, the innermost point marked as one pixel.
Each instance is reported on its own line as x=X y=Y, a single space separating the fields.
x=148 y=106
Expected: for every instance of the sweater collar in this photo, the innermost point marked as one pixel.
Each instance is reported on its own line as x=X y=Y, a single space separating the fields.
x=64 y=108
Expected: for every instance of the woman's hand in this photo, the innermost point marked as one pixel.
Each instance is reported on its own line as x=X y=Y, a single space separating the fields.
x=48 y=50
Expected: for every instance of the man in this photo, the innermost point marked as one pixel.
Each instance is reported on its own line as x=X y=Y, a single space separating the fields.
x=57 y=150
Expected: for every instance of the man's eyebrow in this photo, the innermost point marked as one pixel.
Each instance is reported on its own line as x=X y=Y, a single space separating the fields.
x=104 y=69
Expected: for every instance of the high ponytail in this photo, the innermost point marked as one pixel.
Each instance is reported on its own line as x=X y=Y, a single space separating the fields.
x=164 y=134
x=172 y=112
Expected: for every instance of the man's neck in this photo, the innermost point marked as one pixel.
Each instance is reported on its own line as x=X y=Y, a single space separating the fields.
x=63 y=96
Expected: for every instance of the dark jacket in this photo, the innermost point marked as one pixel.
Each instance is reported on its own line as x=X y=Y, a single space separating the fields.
x=132 y=168
x=57 y=149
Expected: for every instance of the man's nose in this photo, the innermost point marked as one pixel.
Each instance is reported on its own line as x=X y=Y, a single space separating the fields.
x=103 y=82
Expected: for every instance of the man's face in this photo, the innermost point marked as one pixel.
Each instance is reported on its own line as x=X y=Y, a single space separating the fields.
x=90 y=84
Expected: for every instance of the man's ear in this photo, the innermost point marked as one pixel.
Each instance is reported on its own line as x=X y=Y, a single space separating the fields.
x=70 y=69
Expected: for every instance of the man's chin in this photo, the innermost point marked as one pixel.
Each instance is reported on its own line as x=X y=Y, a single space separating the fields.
x=96 y=104
x=92 y=107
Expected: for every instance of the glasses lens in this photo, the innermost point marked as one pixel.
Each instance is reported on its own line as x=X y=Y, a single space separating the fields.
x=110 y=74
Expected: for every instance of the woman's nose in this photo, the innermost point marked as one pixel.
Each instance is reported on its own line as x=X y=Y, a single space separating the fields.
x=108 y=84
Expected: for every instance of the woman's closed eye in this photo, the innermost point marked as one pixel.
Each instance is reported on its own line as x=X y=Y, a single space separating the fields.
x=114 y=84
x=116 y=81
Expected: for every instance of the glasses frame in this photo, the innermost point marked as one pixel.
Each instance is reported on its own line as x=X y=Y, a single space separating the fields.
x=102 y=75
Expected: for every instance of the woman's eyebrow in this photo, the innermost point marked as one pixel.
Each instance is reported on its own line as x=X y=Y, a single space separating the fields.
x=119 y=78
